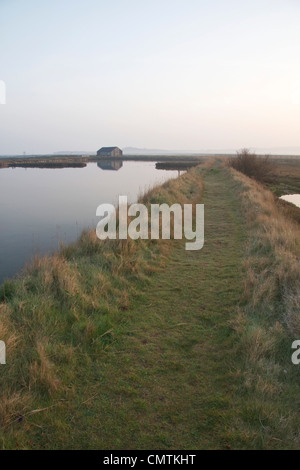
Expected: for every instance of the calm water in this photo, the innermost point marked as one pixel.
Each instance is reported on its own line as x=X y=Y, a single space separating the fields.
x=294 y=198
x=39 y=208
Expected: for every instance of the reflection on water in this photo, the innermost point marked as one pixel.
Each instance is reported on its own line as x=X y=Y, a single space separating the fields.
x=110 y=164
x=40 y=208
x=293 y=198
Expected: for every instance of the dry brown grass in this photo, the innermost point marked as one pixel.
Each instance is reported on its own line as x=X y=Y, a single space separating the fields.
x=11 y=401
x=273 y=262
x=268 y=320
x=55 y=274
x=252 y=165
x=12 y=406
x=42 y=371
x=7 y=333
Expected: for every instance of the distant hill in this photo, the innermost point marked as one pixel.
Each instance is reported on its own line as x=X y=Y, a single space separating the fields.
x=259 y=150
x=74 y=152
x=143 y=151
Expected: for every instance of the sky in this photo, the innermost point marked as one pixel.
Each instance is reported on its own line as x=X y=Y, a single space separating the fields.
x=163 y=74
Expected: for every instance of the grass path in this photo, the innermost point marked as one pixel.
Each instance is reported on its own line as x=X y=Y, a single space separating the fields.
x=168 y=382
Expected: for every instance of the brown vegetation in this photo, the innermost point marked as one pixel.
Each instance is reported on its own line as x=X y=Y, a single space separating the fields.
x=273 y=256
x=252 y=165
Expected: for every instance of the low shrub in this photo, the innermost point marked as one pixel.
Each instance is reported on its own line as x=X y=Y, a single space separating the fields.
x=252 y=165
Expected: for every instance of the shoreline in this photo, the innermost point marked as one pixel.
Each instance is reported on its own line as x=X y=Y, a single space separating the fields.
x=43 y=160
x=77 y=161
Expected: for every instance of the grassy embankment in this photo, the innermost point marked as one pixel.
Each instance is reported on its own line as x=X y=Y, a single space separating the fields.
x=269 y=319
x=145 y=345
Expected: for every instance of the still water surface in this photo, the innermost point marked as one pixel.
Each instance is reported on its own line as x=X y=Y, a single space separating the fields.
x=40 y=208
x=293 y=198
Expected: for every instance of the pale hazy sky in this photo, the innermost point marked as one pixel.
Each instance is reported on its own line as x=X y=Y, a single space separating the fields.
x=173 y=74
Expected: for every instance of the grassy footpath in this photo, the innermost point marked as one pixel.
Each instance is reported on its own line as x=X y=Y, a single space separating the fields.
x=175 y=363
x=167 y=383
